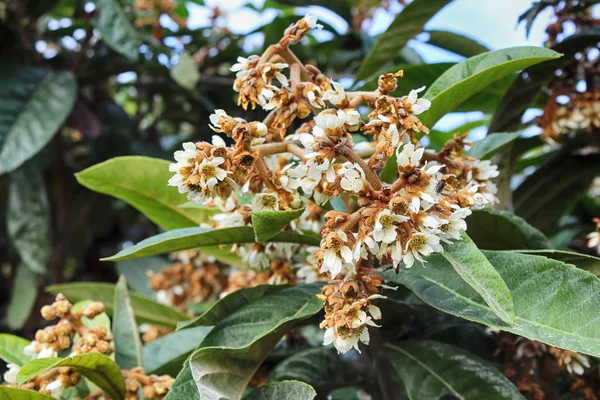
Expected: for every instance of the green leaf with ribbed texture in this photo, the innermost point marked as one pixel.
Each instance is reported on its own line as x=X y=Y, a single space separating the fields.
x=555 y=303
x=403 y=28
x=232 y=352
x=470 y=76
x=456 y=43
x=480 y=274
x=322 y=368
x=189 y=238
x=8 y=393
x=229 y=304
x=283 y=390
x=489 y=145
x=145 y=309
x=11 y=349
x=431 y=370
x=96 y=367
x=267 y=224
x=502 y=230
x=22 y=298
x=184 y=387
x=585 y=262
x=35 y=104
x=167 y=354
x=115 y=29
x=142 y=182
x=28 y=216
x=128 y=346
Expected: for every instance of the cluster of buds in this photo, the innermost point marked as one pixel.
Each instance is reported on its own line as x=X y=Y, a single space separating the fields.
x=192 y=278
x=580 y=114
x=60 y=337
x=278 y=165
x=152 y=386
x=148 y=12
x=349 y=309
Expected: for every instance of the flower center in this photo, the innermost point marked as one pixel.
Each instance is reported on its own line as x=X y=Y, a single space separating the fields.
x=269 y=201
x=386 y=221
x=209 y=171
x=333 y=243
x=417 y=242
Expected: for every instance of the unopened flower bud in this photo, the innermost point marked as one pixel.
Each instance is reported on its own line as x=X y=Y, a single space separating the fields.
x=48 y=313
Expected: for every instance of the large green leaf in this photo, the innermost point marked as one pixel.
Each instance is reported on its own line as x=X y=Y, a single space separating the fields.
x=480 y=274
x=185 y=72
x=8 y=393
x=267 y=224
x=167 y=354
x=470 y=76
x=96 y=367
x=128 y=347
x=189 y=238
x=456 y=43
x=555 y=303
x=488 y=146
x=22 y=298
x=322 y=368
x=585 y=262
x=11 y=349
x=503 y=230
x=283 y=390
x=142 y=182
x=431 y=370
x=232 y=352
x=146 y=310
x=547 y=194
x=115 y=29
x=404 y=27
x=184 y=387
x=28 y=216
x=229 y=304
x=35 y=104
x=136 y=272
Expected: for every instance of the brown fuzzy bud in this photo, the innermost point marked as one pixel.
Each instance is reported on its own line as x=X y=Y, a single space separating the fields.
x=387 y=83
x=62 y=308
x=149 y=392
x=48 y=313
x=90 y=339
x=102 y=347
x=93 y=310
x=64 y=342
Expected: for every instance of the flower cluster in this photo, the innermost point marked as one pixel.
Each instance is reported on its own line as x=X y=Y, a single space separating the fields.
x=317 y=165
x=580 y=114
x=151 y=386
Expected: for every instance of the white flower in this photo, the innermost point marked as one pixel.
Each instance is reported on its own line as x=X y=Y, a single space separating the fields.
x=353 y=177
x=47 y=352
x=228 y=220
x=218 y=141
x=327 y=120
x=315 y=98
x=455 y=224
x=29 y=350
x=56 y=388
x=307 y=140
x=10 y=376
x=311 y=21
x=385 y=228
x=162 y=296
x=392 y=136
x=307 y=274
x=210 y=173
x=418 y=105
x=336 y=95
x=321 y=198
x=243 y=64
x=593 y=239
x=265 y=202
x=337 y=254
x=290 y=178
x=482 y=170
x=576 y=363
x=263 y=99
x=278 y=75
x=317 y=164
x=420 y=244
x=409 y=156
x=216 y=118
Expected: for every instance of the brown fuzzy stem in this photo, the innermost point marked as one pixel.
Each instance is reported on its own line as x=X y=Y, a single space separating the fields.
x=350 y=155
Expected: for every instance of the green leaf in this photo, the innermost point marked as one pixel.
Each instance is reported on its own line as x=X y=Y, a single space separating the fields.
x=503 y=230
x=232 y=352
x=8 y=393
x=11 y=349
x=404 y=27
x=283 y=390
x=528 y=85
x=585 y=262
x=531 y=13
x=188 y=238
x=167 y=354
x=136 y=272
x=549 y=193
x=488 y=146
x=456 y=43
x=322 y=368
x=115 y=29
x=128 y=347
x=470 y=76
x=146 y=310
x=228 y=304
x=96 y=367
x=28 y=216
x=22 y=298
x=431 y=370
x=142 y=182
x=267 y=224
x=186 y=73
x=480 y=274
x=36 y=103
x=184 y=387
x=555 y=303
